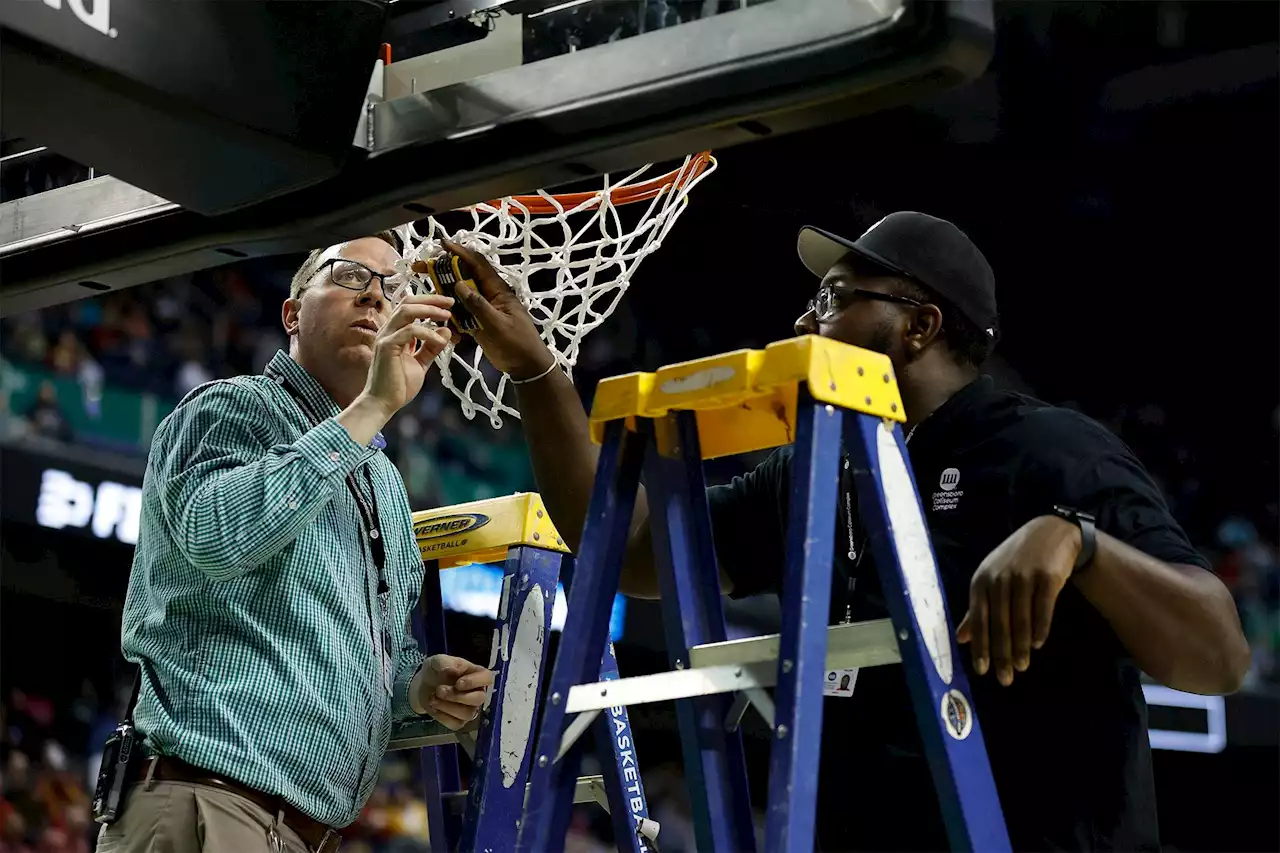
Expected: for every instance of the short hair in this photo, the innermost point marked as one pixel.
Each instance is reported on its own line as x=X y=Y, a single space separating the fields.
x=309 y=266
x=969 y=345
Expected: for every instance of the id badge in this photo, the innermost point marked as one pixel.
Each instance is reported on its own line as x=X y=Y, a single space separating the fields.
x=839 y=682
x=385 y=653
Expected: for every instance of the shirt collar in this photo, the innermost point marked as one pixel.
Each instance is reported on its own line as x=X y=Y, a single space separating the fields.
x=311 y=391
x=956 y=408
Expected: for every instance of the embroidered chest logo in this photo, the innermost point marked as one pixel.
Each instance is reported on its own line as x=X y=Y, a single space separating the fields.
x=950 y=494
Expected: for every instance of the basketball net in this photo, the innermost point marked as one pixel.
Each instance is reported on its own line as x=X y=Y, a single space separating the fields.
x=569 y=258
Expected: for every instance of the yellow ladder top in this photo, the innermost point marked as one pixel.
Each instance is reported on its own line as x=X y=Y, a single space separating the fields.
x=482 y=531
x=746 y=400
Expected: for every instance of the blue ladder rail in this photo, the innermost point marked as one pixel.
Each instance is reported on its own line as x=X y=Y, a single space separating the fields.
x=486 y=816
x=817 y=395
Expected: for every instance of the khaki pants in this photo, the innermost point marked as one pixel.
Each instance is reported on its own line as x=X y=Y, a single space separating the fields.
x=180 y=817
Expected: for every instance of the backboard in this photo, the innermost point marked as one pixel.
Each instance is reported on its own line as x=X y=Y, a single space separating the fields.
x=481 y=99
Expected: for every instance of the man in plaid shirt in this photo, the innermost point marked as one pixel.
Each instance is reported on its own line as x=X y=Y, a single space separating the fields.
x=274 y=576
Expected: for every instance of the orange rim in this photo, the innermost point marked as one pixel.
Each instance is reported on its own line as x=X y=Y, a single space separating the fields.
x=629 y=194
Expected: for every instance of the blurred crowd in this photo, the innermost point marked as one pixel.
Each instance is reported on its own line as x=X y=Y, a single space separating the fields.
x=164 y=339
x=46 y=767
x=1239 y=542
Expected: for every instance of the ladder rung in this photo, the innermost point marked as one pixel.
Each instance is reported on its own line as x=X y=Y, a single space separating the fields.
x=418 y=733
x=737 y=665
x=665 y=686
x=853 y=645
x=590 y=789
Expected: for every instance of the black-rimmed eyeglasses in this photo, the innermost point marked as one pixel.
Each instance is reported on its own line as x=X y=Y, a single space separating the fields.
x=354 y=275
x=826 y=304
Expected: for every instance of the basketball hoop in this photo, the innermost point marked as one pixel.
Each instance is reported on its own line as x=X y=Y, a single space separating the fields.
x=568 y=257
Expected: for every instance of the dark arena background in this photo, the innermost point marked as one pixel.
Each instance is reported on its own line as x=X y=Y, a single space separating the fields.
x=1116 y=161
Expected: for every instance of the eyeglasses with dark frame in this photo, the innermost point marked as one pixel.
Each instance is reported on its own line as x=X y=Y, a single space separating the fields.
x=353 y=275
x=824 y=306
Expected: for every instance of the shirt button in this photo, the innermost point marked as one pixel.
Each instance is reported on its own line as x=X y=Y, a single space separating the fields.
x=334 y=456
x=293 y=504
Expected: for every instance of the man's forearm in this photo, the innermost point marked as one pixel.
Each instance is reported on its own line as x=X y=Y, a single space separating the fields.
x=564 y=464
x=560 y=448
x=1179 y=622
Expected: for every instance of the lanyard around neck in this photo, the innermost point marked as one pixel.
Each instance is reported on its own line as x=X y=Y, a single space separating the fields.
x=856 y=549
x=368 y=509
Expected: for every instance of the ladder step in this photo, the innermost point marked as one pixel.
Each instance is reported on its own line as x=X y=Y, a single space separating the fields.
x=856 y=644
x=735 y=665
x=421 y=732
x=746 y=399
x=666 y=686
x=590 y=789
x=484 y=531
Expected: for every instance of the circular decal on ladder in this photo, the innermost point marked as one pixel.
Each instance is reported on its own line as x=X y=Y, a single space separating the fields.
x=957 y=715
x=911 y=541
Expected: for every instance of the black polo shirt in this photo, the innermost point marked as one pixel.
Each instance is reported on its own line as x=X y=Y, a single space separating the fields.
x=1068 y=739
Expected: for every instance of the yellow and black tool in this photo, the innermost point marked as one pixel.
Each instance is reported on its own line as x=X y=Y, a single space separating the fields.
x=444 y=272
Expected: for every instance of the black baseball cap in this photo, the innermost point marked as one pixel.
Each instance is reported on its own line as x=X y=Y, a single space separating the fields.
x=929 y=250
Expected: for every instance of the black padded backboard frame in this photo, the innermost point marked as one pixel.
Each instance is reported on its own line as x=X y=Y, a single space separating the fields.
x=214 y=105
x=768 y=69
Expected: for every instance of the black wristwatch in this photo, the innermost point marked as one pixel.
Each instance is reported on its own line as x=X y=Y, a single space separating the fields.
x=1088 y=534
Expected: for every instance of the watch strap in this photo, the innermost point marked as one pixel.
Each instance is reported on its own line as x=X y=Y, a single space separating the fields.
x=1088 y=535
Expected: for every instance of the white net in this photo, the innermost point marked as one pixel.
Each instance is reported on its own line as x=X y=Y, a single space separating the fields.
x=570 y=258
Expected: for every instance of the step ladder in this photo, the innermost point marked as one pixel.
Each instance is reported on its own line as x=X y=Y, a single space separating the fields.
x=485 y=817
x=815 y=394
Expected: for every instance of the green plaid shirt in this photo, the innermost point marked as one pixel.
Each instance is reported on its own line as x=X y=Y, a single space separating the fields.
x=253 y=605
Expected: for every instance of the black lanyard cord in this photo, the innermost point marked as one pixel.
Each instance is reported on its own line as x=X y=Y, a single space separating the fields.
x=855 y=552
x=368 y=509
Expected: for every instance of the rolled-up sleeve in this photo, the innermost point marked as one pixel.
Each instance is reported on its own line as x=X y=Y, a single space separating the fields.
x=410 y=662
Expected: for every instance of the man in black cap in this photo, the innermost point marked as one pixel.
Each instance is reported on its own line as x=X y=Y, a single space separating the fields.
x=1051 y=540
